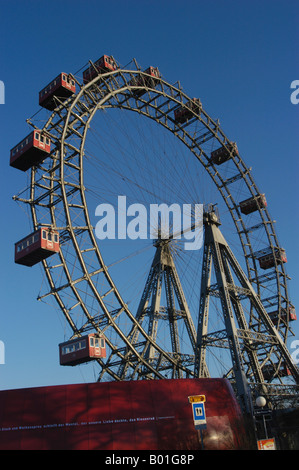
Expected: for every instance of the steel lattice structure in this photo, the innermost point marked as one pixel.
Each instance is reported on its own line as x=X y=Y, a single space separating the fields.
x=57 y=186
x=257 y=350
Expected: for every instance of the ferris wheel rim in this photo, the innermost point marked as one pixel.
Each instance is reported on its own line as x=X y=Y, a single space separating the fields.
x=234 y=212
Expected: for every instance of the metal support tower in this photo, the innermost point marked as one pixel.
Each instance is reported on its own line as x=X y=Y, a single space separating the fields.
x=163 y=283
x=254 y=350
x=57 y=195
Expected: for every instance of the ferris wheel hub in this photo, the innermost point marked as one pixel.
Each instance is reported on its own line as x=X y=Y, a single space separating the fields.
x=56 y=155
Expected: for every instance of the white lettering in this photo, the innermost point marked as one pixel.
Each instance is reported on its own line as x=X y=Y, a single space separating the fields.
x=160 y=216
x=165 y=222
x=295 y=354
x=115 y=460
x=294 y=96
x=121 y=213
x=139 y=222
x=2 y=92
x=197 y=232
x=2 y=353
x=108 y=221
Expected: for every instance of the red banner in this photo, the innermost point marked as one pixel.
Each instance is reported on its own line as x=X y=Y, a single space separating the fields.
x=147 y=415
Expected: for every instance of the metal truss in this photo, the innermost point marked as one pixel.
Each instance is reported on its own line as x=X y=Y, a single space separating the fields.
x=56 y=195
x=258 y=353
x=162 y=276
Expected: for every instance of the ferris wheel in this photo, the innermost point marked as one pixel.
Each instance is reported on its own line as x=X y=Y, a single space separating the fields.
x=122 y=137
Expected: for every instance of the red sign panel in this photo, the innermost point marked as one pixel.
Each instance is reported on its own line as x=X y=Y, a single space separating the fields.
x=147 y=415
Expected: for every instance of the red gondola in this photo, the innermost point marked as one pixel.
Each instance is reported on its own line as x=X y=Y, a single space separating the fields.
x=183 y=113
x=62 y=86
x=147 y=81
x=104 y=64
x=268 y=261
x=37 y=246
x=82 y=349
x=30 y=151
x=286 y=315
x=223 y=154
x=292 y=313
x=253 y=204
x=269 y=370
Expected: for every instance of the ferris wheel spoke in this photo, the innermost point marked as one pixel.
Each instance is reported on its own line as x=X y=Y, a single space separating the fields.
x=129 y=132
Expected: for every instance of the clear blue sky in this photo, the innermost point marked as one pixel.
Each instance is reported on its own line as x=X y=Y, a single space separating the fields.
x=240 y=57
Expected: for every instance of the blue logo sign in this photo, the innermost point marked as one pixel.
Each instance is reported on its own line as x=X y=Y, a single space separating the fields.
x=199 y=415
